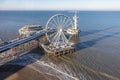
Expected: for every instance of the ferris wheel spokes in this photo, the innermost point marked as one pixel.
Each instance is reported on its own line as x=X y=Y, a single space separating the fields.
x=60 y=23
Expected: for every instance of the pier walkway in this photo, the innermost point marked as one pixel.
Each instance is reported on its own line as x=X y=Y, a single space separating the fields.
x=19 y=47
x=21 y=41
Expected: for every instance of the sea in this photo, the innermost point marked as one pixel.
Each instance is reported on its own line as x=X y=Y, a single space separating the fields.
x=97 y=55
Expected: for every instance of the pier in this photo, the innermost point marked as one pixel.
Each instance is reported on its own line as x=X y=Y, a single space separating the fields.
x=14 y=49
x=57 y=33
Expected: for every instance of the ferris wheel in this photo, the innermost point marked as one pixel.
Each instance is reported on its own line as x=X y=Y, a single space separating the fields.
x=57 y=26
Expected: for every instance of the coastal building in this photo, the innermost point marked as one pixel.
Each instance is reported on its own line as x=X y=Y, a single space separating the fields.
x=29 y=30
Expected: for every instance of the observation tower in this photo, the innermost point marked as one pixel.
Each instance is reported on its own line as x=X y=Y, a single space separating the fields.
x=74 y=30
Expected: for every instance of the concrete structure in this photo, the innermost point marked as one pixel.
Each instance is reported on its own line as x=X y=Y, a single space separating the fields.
x=14 y=49
x=29 y=30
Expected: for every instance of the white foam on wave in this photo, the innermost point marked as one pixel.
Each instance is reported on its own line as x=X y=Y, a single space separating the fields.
x=54 y=67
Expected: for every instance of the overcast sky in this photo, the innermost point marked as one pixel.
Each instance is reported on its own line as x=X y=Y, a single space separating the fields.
x=59 y=4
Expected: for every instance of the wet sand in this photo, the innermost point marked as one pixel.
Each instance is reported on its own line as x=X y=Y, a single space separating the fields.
x=28 y=73
x=22 y=69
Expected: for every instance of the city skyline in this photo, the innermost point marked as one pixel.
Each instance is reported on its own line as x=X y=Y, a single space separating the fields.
x=59 y=5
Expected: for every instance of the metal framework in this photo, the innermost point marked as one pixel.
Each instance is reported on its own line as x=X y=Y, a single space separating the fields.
x=57 y=26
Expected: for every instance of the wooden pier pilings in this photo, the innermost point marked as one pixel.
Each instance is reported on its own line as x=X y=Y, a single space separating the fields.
x=67 y=51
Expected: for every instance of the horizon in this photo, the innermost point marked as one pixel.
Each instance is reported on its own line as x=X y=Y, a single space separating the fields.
x=37 y=5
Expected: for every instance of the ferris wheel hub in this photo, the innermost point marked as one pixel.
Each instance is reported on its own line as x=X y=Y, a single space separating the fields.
x=60 y=30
